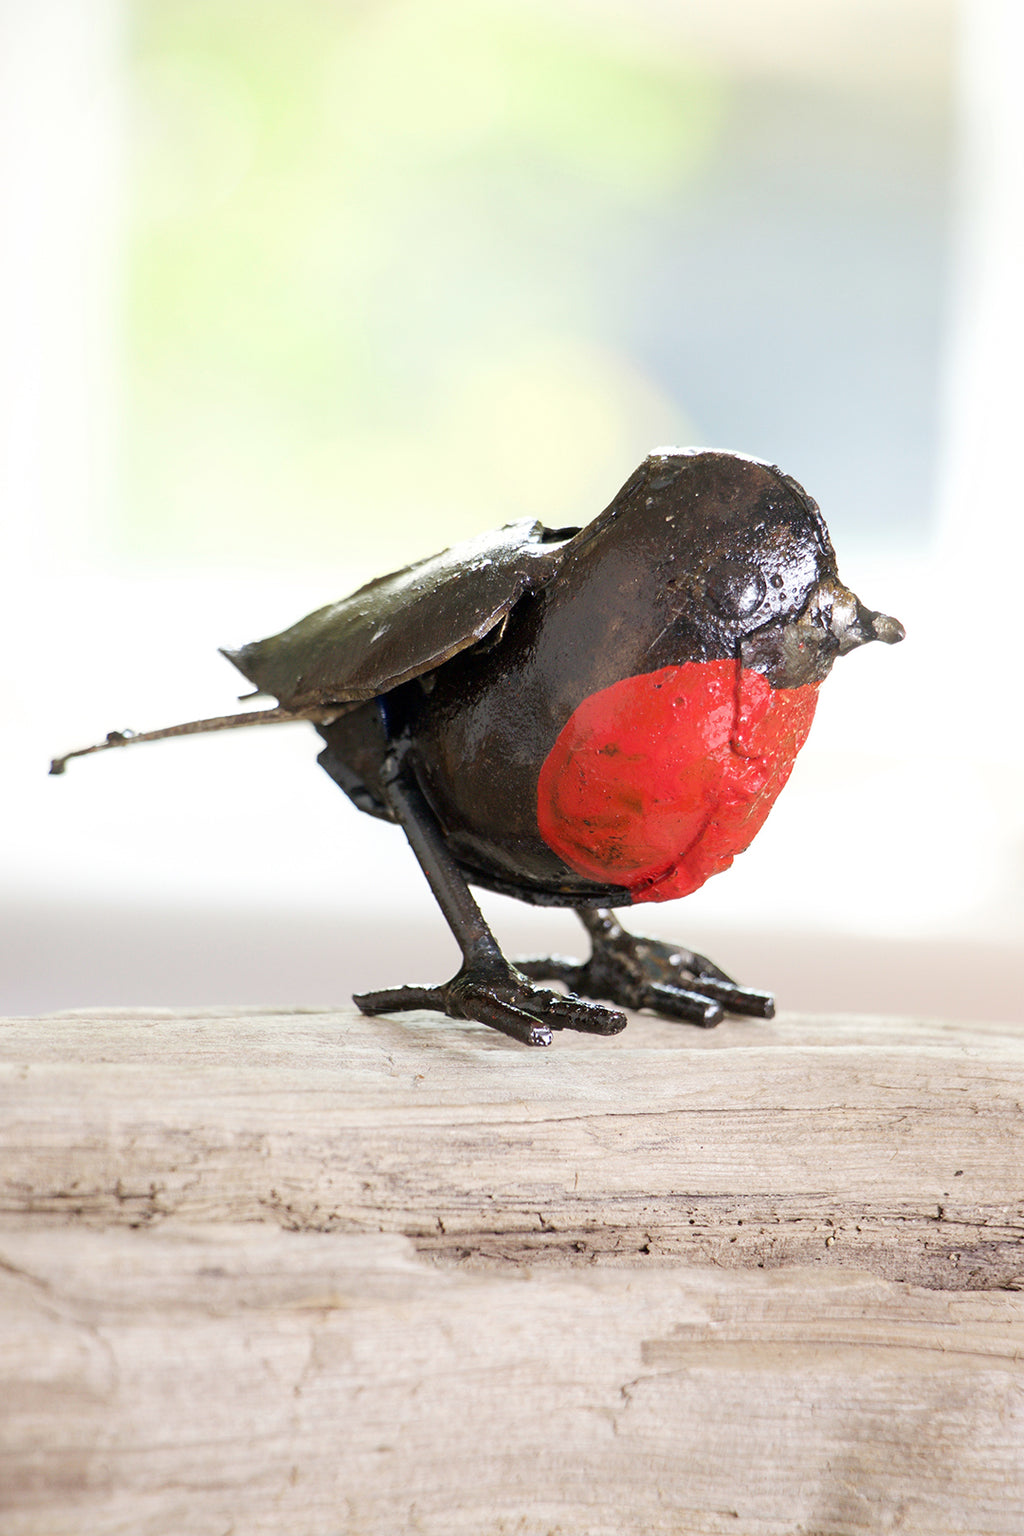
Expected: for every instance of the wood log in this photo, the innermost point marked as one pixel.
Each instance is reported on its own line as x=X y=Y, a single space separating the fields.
x=895 y=1147
x=310 y=1272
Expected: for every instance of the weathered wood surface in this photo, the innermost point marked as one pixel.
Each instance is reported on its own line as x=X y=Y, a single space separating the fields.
x=313 y=1273
x=315 y=1384
x=893 y=1147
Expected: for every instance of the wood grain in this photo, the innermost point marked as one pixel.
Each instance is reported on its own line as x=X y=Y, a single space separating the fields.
x=311 y=1273
x=893 y=1147
x=262 y=1381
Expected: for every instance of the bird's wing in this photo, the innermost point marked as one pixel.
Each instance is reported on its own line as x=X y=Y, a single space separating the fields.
x=405 y=624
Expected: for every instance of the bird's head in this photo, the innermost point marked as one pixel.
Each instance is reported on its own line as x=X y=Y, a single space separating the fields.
x=745 y=565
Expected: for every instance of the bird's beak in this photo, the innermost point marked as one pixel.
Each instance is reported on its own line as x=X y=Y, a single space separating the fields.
x=847 y=619
x=832 y=622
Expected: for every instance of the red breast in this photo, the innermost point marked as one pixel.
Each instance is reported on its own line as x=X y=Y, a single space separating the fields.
x=657 y=782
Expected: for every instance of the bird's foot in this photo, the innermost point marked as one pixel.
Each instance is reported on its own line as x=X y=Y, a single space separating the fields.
x=646 y=973
x=494 y=992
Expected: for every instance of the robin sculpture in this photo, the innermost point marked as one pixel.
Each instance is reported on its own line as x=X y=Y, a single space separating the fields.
x=584 y=717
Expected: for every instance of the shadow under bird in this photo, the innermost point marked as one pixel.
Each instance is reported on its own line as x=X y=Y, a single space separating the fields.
x=584 y=717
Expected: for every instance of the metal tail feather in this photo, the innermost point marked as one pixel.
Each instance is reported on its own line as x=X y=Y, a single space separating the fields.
x=322 y=714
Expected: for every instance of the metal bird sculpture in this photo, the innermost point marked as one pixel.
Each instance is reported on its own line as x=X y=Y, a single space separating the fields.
x=584 y=717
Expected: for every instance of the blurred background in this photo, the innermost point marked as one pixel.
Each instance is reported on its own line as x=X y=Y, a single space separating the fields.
x=294 y=291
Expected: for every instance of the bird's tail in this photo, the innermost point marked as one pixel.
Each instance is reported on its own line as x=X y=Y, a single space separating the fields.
x=322 y=714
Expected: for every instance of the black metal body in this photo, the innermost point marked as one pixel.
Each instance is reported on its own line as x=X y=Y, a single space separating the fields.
x=697 y=557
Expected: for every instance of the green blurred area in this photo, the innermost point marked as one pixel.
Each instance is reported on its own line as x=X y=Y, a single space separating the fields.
x=367 y=308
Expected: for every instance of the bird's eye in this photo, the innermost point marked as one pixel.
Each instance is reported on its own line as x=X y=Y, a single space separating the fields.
x=735 y=588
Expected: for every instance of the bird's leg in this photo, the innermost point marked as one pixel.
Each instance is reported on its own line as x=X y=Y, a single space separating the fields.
x=647 y=973
x=487 y=987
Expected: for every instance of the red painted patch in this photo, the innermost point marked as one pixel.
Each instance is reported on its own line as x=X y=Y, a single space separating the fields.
x=657 y=782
